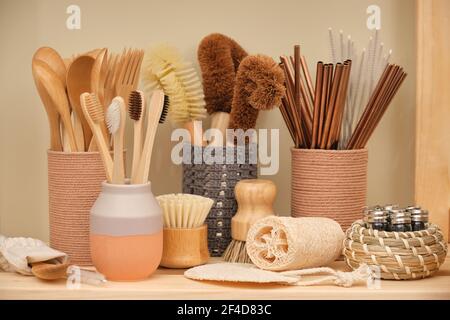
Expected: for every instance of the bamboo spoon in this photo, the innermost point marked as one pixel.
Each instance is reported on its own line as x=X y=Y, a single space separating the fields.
x=93 y=111
x=154 y=115
x=50 y=108
x=53 y=60
x=49 y=271
x=115 y=118
x=57 y=93
x=79 y=81
x=96 y=74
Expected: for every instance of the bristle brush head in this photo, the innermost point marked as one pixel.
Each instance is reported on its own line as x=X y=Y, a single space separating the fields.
x=94 y=108
x=113 y=117
x=165 y=109
x=135 y=105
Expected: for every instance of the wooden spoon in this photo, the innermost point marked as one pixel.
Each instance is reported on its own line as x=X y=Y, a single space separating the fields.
x=47 y=271
x=79 y=81
x=53 y=60
x=57 y=93
x=50 y=108
x=97 y=76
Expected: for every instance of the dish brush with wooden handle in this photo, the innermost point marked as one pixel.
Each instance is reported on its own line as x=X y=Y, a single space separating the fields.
x=185 y=231
x=219 y=57
x=164 y=68
x=255 y=198
x=259 y=86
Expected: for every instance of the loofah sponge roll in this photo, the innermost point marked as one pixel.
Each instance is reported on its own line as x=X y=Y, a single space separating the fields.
x=259 y=86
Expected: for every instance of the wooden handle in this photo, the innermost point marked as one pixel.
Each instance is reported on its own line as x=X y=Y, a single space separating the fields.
x=185 y=248
x=255 y=198
x=220 y=121
x=195 y=132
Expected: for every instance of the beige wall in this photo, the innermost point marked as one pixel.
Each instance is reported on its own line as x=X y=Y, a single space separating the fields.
x=269 y=27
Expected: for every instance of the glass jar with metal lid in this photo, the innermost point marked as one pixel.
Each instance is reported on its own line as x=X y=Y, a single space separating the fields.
x=376 y=218
x=400 y=220
x=419 y=219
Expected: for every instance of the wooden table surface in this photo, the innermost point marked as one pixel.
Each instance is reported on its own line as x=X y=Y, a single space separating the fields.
x=171 y=284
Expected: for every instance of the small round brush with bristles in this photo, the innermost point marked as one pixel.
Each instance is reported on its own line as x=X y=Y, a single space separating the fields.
x=136 y=111
x=255 y=198
x=95 y=116
x=185 y=231
x=115 y=120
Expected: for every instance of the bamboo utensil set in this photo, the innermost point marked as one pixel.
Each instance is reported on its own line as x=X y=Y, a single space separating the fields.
x=60 y=84
x=317 y=117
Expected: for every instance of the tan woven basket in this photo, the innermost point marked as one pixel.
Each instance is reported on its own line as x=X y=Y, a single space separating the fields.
x=74 y=182
x=329 y=183
x=395 y=255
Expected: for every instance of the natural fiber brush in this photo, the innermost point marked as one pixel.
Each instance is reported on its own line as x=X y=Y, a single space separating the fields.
x=184 y=210
x=164 y=68
x=259 y=86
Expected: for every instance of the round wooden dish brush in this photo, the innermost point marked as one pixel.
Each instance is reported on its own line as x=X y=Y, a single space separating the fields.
x=255 y=199
x=185 y=231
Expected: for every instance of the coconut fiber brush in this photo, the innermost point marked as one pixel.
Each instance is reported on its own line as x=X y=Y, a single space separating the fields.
x=219 y=57
x=259 y=86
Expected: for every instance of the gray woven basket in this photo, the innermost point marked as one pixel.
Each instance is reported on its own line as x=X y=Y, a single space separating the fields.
x=217 y=181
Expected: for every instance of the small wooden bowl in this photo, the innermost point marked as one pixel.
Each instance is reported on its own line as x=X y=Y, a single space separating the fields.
x=185 y=248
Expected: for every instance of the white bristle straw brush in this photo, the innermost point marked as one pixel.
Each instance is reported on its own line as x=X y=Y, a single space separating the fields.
x=93 y=111
x=115 y=120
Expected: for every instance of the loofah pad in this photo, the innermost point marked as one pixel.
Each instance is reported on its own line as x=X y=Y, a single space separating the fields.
x=284 y=243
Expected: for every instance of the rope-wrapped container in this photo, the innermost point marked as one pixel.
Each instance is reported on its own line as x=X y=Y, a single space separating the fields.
x=74 y=183
x=395 y=255
x=217 y=182
x=329 y=183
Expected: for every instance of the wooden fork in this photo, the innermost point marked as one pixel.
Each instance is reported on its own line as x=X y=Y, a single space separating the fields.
x=130 y=66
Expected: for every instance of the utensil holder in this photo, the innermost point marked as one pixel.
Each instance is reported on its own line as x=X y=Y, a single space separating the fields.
x=217 y=181
x=329 y=183
x=74 y=183
x=185 y=248
x=126 y=232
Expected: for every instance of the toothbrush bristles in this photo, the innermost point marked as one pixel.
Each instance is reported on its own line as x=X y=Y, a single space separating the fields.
x=94 y=108
x=135 y=105
x=165 y=109
x=113 y=117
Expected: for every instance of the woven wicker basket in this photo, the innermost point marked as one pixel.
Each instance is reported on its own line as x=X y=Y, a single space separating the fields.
x=395 y=255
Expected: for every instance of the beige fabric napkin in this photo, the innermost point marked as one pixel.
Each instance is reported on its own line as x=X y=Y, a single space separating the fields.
x=16 y=253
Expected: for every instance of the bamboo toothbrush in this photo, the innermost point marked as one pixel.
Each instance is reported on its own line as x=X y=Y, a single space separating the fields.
x=115 y=119
x=93 y=111
x=157 y=112
x=136 y=110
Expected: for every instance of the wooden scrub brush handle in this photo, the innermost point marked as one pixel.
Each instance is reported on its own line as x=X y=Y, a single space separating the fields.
x=255 y=198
